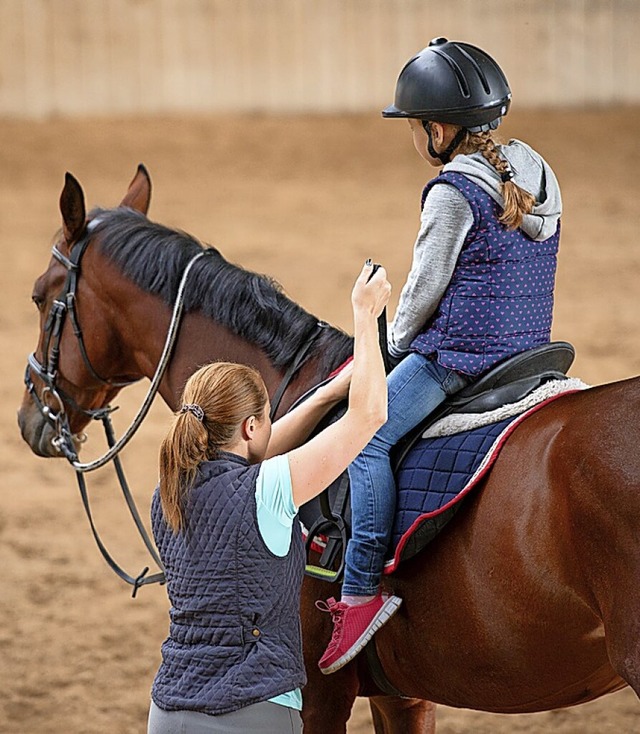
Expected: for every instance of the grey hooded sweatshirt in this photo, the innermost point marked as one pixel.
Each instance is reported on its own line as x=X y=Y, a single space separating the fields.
x=445 y=222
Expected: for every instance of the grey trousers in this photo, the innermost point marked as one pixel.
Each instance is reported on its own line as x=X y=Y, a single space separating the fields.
x=260 y=718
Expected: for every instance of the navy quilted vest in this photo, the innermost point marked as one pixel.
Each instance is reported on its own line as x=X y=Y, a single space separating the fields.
x=234 y=636
x=500 y=299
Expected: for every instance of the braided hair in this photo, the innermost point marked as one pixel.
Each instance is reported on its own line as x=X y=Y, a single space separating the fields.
x=517 y=201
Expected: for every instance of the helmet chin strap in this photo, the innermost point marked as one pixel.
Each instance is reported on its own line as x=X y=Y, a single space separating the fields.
x=445 y=156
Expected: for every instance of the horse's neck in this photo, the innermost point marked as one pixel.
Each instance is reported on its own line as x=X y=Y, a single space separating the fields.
x=203 y=340
x=143 y=325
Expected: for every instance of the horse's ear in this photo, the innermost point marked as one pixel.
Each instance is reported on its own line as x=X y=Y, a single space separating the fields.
x=138 y=196
x=72 y=209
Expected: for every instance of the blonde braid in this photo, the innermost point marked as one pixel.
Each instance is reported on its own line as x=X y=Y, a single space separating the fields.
x=517 y=201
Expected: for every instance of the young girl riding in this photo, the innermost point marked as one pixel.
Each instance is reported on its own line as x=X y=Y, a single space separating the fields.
x=480 y=290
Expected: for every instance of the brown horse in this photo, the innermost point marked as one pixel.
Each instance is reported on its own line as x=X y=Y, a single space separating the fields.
x=529 y=599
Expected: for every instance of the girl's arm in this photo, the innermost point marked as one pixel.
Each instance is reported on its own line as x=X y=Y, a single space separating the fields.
x=445 y=222
x=317 y=463
x=294 y=428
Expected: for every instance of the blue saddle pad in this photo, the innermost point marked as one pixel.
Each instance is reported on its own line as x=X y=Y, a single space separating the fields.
x=432 y=479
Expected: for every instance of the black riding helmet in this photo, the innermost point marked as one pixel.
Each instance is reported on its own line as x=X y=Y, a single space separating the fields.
x=452 y=82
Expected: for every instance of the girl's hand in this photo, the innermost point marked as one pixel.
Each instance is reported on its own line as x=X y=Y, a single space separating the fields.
x=370 y=293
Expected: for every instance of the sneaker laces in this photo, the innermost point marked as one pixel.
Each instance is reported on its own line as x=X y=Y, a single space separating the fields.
x=336 y=610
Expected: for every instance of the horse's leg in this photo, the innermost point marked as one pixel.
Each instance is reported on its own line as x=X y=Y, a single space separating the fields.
x=395 y=715
x=327 y=699
x=622 y=646
x=618 y=595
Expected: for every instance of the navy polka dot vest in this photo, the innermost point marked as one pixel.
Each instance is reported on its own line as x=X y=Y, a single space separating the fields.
x=234 y=636
x=500 y=299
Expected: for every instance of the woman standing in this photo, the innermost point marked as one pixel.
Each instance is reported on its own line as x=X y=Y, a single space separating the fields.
x=224 y=521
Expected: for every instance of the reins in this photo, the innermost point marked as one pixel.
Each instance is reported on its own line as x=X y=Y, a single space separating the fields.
x=167 y=351
x=115 y=447
x=64 y=440
x=294 y=367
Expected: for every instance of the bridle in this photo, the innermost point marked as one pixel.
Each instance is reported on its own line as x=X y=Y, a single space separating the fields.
x=63 y=307
x=65 y=441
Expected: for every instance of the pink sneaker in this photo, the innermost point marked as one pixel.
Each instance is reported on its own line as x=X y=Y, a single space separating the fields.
x=353 y=627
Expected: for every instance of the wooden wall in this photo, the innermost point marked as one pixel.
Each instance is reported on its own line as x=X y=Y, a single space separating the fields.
x=95 y=57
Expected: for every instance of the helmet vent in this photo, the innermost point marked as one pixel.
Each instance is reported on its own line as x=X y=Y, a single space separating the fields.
x=460 y=78
x=476 y=66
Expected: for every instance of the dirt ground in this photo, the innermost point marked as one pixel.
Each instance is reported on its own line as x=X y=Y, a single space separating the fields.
x=305 y=200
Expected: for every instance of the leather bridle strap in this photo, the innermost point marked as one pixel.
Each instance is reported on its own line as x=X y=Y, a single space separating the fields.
x=116 y=446
x=47 y=372
x=141 y=579
x=294 y=367
x=67 y=306
x=167 y=351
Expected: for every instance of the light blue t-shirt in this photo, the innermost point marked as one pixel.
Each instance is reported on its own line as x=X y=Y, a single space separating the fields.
x=276 y=511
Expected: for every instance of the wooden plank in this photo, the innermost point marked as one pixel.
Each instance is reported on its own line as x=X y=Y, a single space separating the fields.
x=626 y=52
x=82 y=57
x=13 y=67
x=37 y=57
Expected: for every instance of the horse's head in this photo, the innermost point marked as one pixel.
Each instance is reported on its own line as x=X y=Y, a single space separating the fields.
x=73 y=373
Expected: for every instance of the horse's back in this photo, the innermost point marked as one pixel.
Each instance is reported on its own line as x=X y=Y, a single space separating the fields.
x=510 y=599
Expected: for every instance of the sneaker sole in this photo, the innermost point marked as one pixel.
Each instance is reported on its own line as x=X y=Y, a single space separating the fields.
x=386 y=611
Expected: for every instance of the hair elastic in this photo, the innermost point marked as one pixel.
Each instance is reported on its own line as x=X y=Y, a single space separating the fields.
x=194 y=409
x=506 y=175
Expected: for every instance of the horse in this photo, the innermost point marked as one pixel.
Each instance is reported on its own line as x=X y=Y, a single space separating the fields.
x=528 y=600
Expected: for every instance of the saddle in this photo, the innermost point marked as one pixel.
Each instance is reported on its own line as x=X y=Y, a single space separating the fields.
x=328 y=516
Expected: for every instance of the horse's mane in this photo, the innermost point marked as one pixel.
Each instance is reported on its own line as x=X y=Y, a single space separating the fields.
x=251 y=305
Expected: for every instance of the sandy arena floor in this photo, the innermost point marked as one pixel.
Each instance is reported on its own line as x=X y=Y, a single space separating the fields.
x=305 y=200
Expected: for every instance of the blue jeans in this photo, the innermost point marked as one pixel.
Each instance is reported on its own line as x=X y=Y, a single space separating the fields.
x=416 y=387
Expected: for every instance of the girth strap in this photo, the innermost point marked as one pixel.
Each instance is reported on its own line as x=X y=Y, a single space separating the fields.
x=377 y=671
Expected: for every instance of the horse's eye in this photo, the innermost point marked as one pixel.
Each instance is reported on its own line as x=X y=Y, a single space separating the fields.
x=38 y=300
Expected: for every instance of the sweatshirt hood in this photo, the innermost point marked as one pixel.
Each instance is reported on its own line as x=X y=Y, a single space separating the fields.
x=530 y=172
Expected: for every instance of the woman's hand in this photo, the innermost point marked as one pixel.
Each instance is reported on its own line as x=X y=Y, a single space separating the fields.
x=338 y=388
x=370 y=293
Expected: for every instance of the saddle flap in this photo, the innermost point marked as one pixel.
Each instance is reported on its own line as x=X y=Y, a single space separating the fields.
x=496 y=397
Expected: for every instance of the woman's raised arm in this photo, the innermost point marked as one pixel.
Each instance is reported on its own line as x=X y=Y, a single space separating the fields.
x=317 y=463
